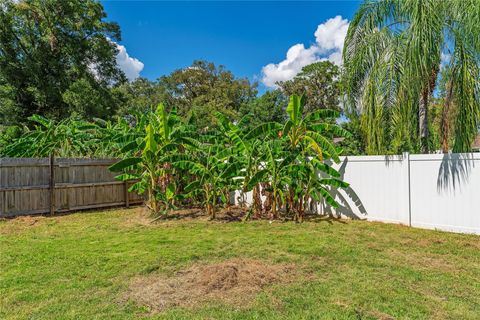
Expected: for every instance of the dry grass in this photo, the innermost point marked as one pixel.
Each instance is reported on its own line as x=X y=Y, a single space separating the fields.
x=235 y=281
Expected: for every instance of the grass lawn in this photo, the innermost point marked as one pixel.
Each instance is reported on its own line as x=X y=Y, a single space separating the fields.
x=78 y=266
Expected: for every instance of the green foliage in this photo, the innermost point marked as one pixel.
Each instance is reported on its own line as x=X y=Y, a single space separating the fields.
x=269 y=107
x=309 y=133
x=213 y=177
x=319 y=83
x=56 y=57
x=163 y=135
x=393 y=61
x=8 y=135
x=67 y=138
x=352 y=145
x=140 y=95
x=203 y=89
x=178 y=164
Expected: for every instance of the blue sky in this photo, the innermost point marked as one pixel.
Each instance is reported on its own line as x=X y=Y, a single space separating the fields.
x=244 y=36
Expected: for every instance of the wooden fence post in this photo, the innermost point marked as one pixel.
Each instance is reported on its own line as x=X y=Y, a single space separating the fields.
x=125 y=188
x=51 y=184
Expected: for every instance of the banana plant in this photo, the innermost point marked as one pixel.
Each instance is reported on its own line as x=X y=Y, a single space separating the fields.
x=163 y=135
x=308 y=137
x=310 y=132
x=308 y=182
x=66 y=138
x=214 y=169
x=274 y=171
x=246 y=145
x=292 y=166
x=117 y=138
x=174 y=163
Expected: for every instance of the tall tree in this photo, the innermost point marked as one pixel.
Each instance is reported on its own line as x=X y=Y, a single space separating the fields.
x=318 y=83
x=393 y=58
x=269 y=107
x=53 y=55
x=139 y=95
x=203 y=89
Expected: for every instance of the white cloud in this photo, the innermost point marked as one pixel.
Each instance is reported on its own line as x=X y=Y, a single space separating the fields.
x=297 y=57
x=329 y=37
x=129 y=65
x=336 y=57
x=331 y=34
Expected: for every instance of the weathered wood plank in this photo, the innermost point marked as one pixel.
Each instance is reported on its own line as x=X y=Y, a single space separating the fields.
x=78 y=184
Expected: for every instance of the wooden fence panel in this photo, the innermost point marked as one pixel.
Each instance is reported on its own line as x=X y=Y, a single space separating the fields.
x=78 y=184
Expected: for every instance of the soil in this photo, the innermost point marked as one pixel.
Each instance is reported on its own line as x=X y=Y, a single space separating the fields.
x=229 y=214
x=234 y=281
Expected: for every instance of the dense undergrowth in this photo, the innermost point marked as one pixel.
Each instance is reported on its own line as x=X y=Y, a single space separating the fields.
x=179 y=165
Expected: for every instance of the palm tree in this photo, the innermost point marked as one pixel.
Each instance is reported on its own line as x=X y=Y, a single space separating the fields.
x=393 y=59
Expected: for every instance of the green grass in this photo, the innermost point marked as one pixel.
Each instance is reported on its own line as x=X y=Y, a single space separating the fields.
x=77 y=267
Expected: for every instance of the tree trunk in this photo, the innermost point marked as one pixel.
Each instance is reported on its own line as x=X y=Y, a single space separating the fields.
x=210 y=201
x=210 y=211
x=213 y=210
x=423 y=120
x=274 y=206
x=257 y=201
x=445 y=124
x=300 y=209
x=423 y=110
x=152 y=201
x=267 y=205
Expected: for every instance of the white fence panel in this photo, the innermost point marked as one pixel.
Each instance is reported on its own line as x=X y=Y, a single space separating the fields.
x=433 y=191
x=378 y=188
x=445 y=192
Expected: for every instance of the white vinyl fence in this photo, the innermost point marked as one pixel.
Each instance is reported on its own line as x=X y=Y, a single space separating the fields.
x=434 y=191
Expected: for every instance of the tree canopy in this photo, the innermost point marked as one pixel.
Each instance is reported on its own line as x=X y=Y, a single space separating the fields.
x=203 y=89
x=319 y=83
x=140 y=95
x=269 y=107
x=56 y=58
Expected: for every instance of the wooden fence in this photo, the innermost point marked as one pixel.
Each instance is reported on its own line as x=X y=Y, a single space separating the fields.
x=35 y=186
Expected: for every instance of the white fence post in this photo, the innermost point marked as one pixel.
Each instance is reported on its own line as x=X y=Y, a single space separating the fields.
x=406 y=157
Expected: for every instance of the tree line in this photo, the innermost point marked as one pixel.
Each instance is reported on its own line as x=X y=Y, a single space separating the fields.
x=58 y=60
x=410 y=79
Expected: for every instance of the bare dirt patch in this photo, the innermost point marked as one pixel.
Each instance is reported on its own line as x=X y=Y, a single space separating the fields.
x=234 y=281
x=22 y=224
x=139 y=216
